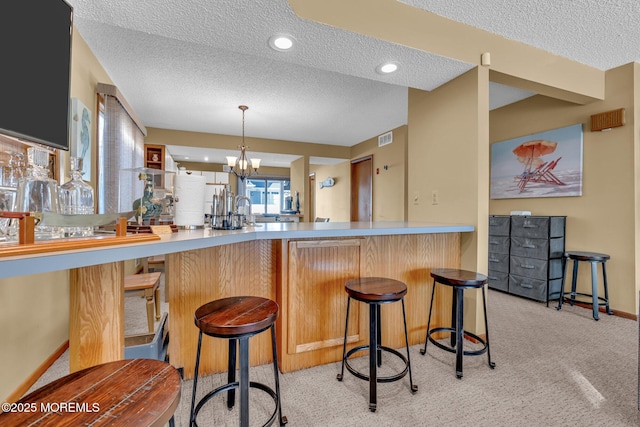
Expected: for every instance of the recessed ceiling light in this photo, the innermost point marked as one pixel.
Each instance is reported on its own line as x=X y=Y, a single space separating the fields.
x=387 y=67
x=281 y=42
x=206 y=159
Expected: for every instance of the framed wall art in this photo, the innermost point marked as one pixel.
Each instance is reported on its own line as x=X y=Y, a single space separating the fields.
x=544 y=164
x=81 y=136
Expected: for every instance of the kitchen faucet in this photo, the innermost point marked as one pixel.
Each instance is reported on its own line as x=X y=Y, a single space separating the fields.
x=248 y=203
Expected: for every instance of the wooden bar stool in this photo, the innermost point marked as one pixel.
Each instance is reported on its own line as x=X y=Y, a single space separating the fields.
x=136 y=392
x=238 y=319
x=594 y=259
x=459 y=280
x=376 y=291
x=148 y=284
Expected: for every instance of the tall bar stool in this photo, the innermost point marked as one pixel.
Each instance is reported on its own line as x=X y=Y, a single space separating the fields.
x=459 y=280
x=594 y=259
x=134 y=392
x=238 y=319
x=376 y=291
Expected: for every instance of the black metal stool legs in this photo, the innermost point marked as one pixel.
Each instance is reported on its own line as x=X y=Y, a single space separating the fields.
x=426 y=339
x=344 y=343
x=192 y=414
x=459 y=327
x=574 y=281
x=244 y=381
x=414 y=388
x=231 y=374
x=375 y=348
x=564 y=277
x=596 y=301
x=276 y=371
x=486 y=328
x=606 y=288
x=457 y=332
x=374 y=355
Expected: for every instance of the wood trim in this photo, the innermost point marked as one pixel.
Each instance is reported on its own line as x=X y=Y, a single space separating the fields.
x=304 y=244
x=326 y=343
x=35 y=375
x=618 y=313
x=15 y=249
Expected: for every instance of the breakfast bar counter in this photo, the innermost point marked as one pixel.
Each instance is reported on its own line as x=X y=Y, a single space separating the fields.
x=302 y=266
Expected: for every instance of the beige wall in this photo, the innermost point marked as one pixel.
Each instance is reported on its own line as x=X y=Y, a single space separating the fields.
x=86 y=73
x=389 y=185
x=34 y=310
x=333 y=202
x=299 y=177
x=604 y=218
x=34 y=317
x=209 y=140
x=447 y=154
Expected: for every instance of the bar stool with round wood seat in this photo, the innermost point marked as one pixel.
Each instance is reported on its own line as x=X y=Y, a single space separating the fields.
x=237 y=319
x=134 y=392
x=459 y=280
x=594 y=259
x=376 y=291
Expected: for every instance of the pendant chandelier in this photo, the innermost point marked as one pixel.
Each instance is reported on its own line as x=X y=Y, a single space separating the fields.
x=243 y=167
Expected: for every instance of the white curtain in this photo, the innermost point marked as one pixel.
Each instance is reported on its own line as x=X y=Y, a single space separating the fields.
x=120 y=152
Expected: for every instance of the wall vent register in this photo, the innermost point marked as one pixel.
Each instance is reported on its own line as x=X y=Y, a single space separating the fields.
x=385 y=139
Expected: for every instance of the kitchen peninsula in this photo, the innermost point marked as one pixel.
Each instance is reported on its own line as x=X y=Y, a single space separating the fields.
x=303 y=266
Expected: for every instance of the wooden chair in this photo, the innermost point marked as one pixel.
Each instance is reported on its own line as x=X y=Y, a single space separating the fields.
x=153 y=263
x=149 y=285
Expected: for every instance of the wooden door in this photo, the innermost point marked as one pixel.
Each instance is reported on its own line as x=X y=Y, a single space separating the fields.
x=362 y=189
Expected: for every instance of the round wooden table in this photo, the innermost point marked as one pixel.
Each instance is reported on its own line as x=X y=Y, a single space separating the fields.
x=138 y=392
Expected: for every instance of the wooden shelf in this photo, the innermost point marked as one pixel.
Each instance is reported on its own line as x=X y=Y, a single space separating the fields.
x=154 y=159
x=15 y=249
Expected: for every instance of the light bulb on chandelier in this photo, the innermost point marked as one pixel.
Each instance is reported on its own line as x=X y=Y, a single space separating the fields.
x=243 y=167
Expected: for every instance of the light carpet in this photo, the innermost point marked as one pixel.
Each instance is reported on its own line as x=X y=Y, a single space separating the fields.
x=553 y=368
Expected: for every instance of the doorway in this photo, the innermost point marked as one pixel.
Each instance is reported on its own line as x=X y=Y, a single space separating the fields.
x=312 y=197
x=362 y=189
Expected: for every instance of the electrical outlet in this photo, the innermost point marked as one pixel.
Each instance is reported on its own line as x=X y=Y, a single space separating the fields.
x=416 y=197
x=434 y=197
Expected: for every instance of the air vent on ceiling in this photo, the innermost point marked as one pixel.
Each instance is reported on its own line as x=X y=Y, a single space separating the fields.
x=385 y=139
x=607 y=120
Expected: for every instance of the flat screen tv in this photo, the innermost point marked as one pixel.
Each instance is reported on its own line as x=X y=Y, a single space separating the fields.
x=35 y=70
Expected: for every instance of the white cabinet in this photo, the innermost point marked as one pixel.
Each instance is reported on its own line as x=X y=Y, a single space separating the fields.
x=210 y=177
x=214 y=177
x=222 y=178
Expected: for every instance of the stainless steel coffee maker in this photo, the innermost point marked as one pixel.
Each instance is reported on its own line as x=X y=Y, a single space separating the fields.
x=223 y=212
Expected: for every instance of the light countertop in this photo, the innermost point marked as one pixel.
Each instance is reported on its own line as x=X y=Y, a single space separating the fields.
x=186 y=240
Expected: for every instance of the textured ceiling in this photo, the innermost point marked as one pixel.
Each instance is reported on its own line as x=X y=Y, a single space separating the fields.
x=188 y=65
x=601 y=33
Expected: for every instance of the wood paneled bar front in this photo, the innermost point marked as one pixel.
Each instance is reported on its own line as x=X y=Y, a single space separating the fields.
x=303 y=266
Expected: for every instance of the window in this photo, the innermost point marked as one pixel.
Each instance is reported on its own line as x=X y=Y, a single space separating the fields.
x=268 y=195
x=120 y=146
